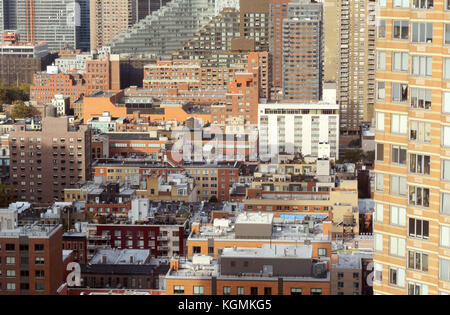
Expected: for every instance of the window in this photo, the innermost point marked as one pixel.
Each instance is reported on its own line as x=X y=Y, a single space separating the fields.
x=447 y=69
x=378 y=242
x=397 y=246
x=448 y=5
x=398 y=185
x=40 y=286
x=296 y=291
x=38 y=247
x=401 y=30
x=379 y=182
x=420 y=98
x=422 y=32
x=398 y=216
x=419 y=164
x=398 y=154
x=381 y=91
x=10 y=247
x=401 y=4
x=446 y=136
x=417 y=261
x=378 y=216
x=267 y=291
x=382 y=29
x=422 y=66
x=422 y=4
x=417 y=288
x=399 y=92
x=446 y=102
x=199 y=290
x=11 y=286
x=380 y=152
x=226 y=290
x=418 y=228
x=419 y=196
x=178 y=289
x=316 y=291
x=400 y=61
x=399 y=123
x=322 y=252
x=381 y=60
x=253 y=291
x=444 y=269
x=10 y=260
x=197 y=249
x=445 y=170
x=420 y=131
x=240 y=291
x=380 y=120
x=445 y=203
x=397 y=277
x=447 y=34
x=445 y=236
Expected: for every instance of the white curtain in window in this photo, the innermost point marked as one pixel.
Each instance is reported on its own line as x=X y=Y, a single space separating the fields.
x=446 y=102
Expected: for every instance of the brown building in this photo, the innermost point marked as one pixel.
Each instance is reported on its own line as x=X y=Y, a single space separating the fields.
x=44 y=162
x=109 y=18
x=348 y=276
x=31 y=260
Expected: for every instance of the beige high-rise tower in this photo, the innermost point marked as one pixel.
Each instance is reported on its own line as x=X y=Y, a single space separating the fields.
x=109 y=18
x=412 y=170
x=355 y=63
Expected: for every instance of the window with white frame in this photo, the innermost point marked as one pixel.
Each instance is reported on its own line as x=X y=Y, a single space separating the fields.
x=415 y=288
x=381 y=60
x=382 y=29
x=380 y=152
x=444 y=236
x=444 y=269
x=381 y=90
x=445 y=203
x=397 y=246
x=380 y=120
x=419 y=164
x=447 y=34
x=399 y=92
x=400 y=61
x=446 y=136
x=447 y=7
x=378 y=244
x=379 y=208
x=418 y=228
x=419 y=196
x=420 y=131
x=199 y=290
x=446 y=102
x=417 y=260
x=401 y=30
x=422 y=32
x=398 y=185
x=422 y=66
x=398 y=154
x=397 y=276
x=401 y=4
x=399 y=123
x=422 y=4
x=446 y=68
x=398 y=216
x=379 y=182
x=420 y=98
x=445 y=164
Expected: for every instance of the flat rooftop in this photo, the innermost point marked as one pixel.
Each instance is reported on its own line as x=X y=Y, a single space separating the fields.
x=31 y=231
x=120 y=256
x=269 y=251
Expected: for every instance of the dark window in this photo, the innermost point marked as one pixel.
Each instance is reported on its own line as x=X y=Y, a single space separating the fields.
x=253 y=291
x=10 y=247
x=38 y=247
x=267 y=291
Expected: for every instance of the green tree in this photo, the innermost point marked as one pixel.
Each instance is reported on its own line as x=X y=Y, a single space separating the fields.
x=20 y=110
x=354 y=155
x=7 y=195
x=369 y=156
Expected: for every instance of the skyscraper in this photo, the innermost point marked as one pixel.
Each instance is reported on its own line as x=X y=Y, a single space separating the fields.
x=109 y=18
x=302 y=38
x=412 y=178
x=356 y=63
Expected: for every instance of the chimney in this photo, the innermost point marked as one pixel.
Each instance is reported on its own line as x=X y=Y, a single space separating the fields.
x=104 y=259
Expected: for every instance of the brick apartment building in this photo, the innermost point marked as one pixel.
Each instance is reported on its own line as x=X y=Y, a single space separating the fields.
x=44 y=162
x=31 y=260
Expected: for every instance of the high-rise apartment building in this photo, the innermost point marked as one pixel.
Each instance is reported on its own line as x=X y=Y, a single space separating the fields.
x=412 y=179
x=302 y=61
x=146 y=7
x=45 y=162
x=109 y=18
x=356 y=63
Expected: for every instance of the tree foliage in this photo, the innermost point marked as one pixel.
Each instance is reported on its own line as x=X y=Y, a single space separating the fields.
x=20 y=110
x=7 y=195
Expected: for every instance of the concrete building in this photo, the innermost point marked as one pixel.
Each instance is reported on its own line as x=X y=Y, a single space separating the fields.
x=356 y=63
x=32 y=260
x=303 y=49
x=109 y=18
x=330 y=21
x=19 y=60
x=310 y=129
x=44 y=162
x=8 y=219
x=412 y=193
